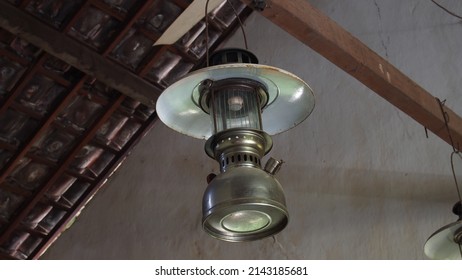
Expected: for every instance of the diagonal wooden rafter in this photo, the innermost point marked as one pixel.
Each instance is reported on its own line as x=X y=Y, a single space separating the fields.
x=81 y=57
x=329 y=39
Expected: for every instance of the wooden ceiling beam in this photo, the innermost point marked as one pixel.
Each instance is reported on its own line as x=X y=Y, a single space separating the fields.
x=76 y=54
x=316 y=30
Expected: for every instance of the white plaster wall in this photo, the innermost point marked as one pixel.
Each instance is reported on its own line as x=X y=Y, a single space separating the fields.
x=361 y=180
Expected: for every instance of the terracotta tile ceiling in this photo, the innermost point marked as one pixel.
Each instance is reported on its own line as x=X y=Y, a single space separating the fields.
x=63 y=132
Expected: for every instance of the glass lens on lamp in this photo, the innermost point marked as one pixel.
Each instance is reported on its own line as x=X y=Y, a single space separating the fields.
x=246 y=221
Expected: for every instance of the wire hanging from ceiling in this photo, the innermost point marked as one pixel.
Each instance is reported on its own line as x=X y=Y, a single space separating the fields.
x=454 y=173
x=457 y=186
x=455 y=151
x=207 y=28
x=446 y=10
x=240 y=23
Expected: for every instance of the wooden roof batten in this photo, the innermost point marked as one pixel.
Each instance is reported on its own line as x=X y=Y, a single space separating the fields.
x=27 y=27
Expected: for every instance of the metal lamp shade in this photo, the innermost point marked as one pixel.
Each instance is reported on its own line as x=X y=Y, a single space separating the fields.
x=442 y=244
x=290 y=99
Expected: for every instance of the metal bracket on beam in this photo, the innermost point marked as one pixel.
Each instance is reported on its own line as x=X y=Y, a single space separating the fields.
x=258 y=5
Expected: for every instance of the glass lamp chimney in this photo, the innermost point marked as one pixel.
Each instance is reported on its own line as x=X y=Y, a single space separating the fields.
x=234 y=103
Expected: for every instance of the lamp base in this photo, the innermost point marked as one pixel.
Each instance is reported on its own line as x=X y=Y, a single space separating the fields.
x=243 y=202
